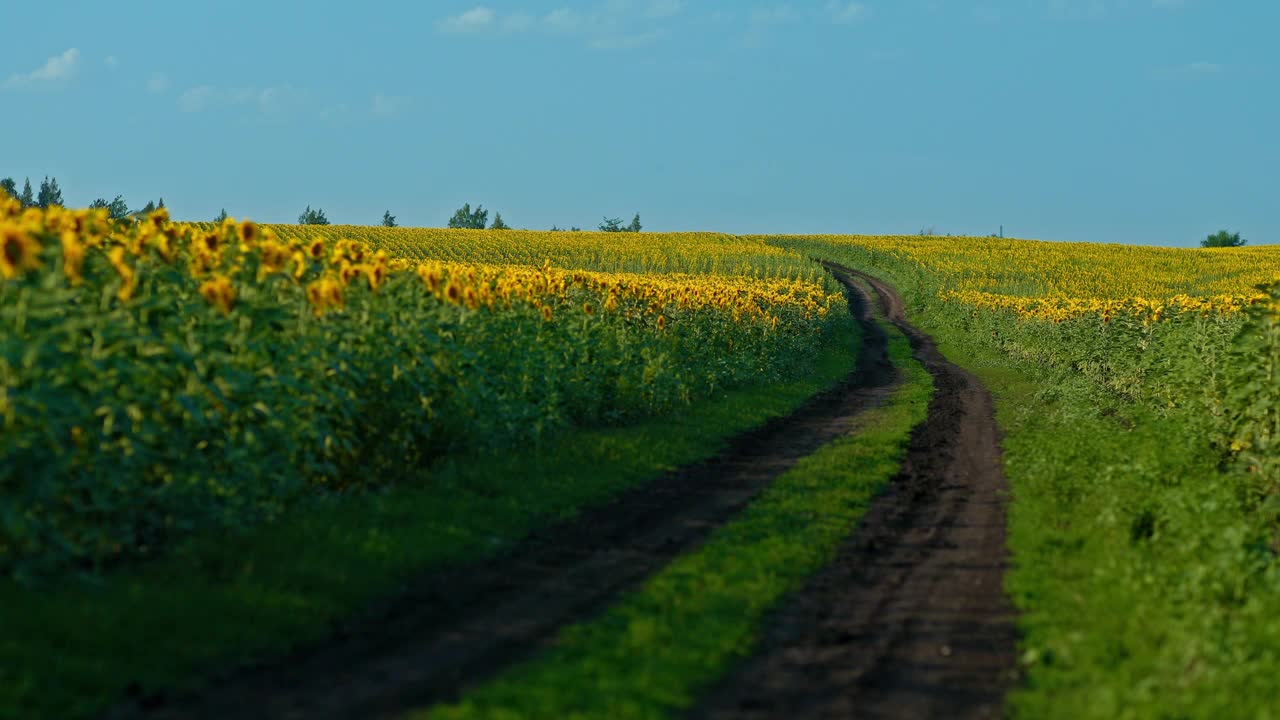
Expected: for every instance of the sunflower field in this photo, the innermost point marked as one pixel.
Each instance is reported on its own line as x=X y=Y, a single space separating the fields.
x=159 y=378
x=1174 y=330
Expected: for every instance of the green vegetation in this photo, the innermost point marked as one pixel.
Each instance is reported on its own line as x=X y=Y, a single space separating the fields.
x=313 y=217
x=224 y=599
x=467 y=219
x=157 y=380
x=651 y=653
x=1223 y=238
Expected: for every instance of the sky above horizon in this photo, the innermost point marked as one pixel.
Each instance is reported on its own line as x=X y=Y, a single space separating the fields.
x=1133 y=121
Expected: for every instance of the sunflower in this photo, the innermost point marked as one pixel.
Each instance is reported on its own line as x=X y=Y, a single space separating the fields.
x=248 y=232
x=19 y=251
x=429 y=276
x=218 y=292
x=300 y=264
x=274 y=257
x=377 y=276
x=315 y=249
x=349 y=273
x=546 y=313
x=72 y=257
x=128 y=278
x=210 y=243
x=324 y=294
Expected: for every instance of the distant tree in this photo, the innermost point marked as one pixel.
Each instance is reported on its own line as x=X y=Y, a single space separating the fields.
x=9 y=187
x=469 y=219
x=221 y=216
x=116 y=208
x=928 y=232
x=498 y=224
x=1222 y=238
x=150 y=207
x=612 y=225
x=161 y=203
x=635 y=224
x=28 y=198
x=312 y=217
x=388 y=220
x=50 y=193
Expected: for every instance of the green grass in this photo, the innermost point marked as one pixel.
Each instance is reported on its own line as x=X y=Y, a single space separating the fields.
x=652 y=652
x=69 y=649
x=1147 y=583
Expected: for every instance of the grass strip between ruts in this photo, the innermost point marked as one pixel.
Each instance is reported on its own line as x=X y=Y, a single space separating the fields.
x=72 y=648
x=652 y=653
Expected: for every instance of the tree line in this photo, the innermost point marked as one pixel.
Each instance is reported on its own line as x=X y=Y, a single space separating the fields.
x=50 y=194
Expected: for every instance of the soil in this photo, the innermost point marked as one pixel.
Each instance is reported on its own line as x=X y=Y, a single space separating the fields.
x=911 y=620
x=453 y=629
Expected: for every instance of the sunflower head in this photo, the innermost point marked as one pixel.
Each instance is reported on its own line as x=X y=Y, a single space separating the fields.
x=218 y=292
x=546 y=313
x=323 y=294
x=429 y=276
x=349 y=273
x=274 y=257
x=19 y=251
x=315 y=249
x=210 y=243
x=248 y=232
x=72 y=257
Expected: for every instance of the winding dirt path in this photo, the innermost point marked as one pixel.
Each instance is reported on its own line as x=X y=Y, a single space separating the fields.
x=454 y=629
x=911 y=620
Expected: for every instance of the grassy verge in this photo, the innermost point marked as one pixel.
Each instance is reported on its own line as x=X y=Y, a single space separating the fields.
x=651 y=653
x=1147 y=584
x=70 y=649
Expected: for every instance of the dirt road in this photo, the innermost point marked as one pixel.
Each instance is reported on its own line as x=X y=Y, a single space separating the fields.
x=911 y=620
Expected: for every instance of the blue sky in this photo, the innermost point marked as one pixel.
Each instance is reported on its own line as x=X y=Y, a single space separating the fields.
x=1144 y=121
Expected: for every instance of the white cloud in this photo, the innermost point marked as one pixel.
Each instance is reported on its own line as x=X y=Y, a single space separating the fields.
x=846 y=12
x=387 y=105
x=475 y=19
x=664 y=8
x=56 y=68
x=1204 y=67
x=563 y=20
x=158 y=83
x=772 y=15
x=627 y=42
x=519 y=22
x=268 y=100
x=608 y=25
